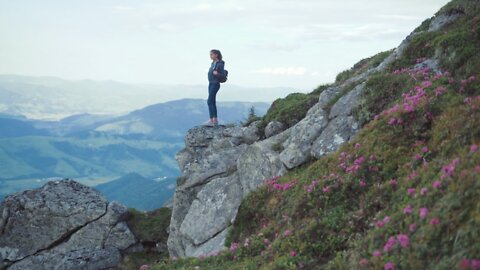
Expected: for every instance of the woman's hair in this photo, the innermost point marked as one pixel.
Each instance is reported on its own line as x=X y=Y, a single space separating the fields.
x=218 y=53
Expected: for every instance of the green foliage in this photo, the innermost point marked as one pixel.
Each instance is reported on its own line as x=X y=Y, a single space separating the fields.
x=362 y=66
x=252 y=117
x=289 y=110
x=381 y=90
x=150 y=226
x=333 y=213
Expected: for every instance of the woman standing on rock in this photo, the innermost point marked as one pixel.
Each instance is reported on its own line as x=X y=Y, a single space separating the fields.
x=216 y=70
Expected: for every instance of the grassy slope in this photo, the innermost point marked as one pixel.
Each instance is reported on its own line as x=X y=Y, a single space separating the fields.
x=338 y=211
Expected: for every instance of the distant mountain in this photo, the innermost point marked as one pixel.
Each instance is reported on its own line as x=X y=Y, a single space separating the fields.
x=14 y=127
x=95 y=148
x=138 y=192
x=172 y=119
x=54 y=98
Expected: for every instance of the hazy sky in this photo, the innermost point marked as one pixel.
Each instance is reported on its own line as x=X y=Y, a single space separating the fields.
x=268 y=43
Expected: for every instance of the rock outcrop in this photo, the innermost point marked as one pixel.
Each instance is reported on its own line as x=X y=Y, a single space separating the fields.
x=221 y=165
x=63 y=225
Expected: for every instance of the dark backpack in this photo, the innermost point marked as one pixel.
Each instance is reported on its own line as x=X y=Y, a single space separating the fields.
x=222 y=77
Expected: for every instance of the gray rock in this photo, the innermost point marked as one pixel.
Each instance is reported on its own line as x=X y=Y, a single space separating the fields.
x=273 y=128
x=442 y=20
x=347 y=103
x=338 y=131
x=210 y=157
x=63 y=225
x=79 y=259
x=431 y=64
x=250 y=133
x=215 y=244
x=327 y=95
x=297 y=146
x=216 y=205
x=261 y=162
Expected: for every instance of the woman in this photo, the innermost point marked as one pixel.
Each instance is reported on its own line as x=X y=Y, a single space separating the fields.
x=216 y=69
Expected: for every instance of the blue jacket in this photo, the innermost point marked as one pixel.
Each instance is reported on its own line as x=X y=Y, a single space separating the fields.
x=218 y=67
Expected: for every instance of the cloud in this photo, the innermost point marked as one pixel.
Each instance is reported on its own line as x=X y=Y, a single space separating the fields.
x=289 y=71
x=172 y=16
x=275 y=46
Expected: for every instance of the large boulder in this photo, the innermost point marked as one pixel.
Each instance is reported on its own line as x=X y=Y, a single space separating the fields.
x=219 y=167
x=62 y=225
x=303 y=134
x=273 y=128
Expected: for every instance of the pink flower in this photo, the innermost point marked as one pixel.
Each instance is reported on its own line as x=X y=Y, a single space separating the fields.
x=408 y=209
x=473 y=148
x=411 y=191
x=357 y=145
x=434 y=221
x=362 y=183
x=440 y=90
x=424 y=149
x=404 y=240
x=436 y=184
x=233 y=247
x=144 y=267
x=389 y=266
x=423 y=191
x=448 y=169
x=266 y=241
x=377 y=253
x=412 y=227
x=287 y=233
x=326 y=189
x=392 y=121
x=390 y=244
x=363 y=262
x=423 y=212
x=464 y=264
x=379 y=224
x=418 y=156
x=393 y=182
x=475 y=264
x=386 y=219
x=293 y=253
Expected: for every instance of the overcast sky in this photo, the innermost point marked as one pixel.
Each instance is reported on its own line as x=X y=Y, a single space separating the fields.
x=268 y=43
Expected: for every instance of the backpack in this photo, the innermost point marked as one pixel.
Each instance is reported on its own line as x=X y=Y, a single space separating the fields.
x=222 y=77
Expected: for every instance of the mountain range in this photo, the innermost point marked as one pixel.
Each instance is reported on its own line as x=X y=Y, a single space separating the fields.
x=99 y=148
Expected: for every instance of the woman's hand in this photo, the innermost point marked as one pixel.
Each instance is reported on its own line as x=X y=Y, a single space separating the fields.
x=215 y=72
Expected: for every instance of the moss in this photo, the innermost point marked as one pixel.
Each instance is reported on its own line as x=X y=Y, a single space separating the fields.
x=150 y=226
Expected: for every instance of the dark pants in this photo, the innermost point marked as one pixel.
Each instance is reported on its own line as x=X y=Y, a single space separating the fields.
x=213 y=88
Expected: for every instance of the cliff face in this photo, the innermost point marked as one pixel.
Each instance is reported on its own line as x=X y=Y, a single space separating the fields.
x=221 y=165
x=63 y=225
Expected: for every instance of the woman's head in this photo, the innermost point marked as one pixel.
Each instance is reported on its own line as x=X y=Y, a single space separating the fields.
x=215 y=54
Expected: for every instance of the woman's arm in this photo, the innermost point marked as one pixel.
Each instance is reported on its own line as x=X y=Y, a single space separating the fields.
x=219 y=68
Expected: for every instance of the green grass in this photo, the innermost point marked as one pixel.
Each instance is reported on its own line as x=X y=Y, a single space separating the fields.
x=149 y=228
x=362 y=66
x=337 y=223
x=291 y=109
x=333 y=230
